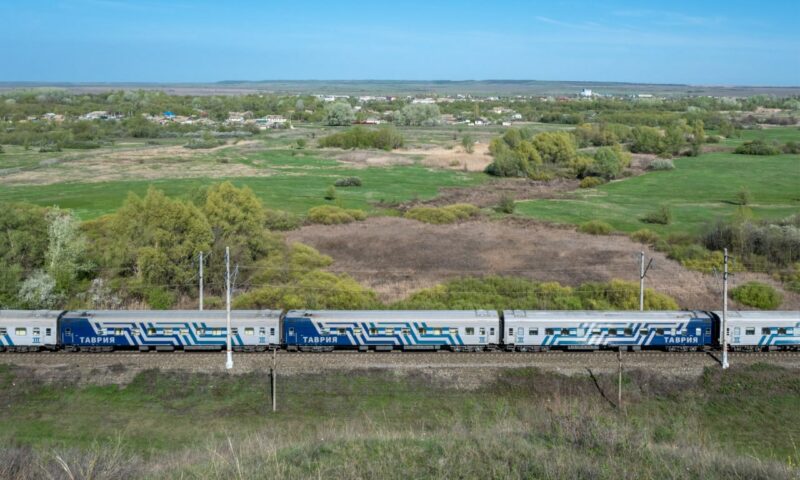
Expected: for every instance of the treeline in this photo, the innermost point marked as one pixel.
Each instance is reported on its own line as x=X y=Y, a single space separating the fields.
x=384 y=138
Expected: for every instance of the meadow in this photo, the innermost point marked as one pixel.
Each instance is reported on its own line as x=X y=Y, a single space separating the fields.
x=524 y=423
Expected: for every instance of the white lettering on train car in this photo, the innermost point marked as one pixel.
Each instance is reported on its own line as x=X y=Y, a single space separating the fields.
x=319 y=339
x=683 y=340
x=97 y=340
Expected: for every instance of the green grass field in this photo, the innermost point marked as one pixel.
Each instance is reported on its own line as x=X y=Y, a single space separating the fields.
x=521 y=424
x=293 y=183
x=699 y=190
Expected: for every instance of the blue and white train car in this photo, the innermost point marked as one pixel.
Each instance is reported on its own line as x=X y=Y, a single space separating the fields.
x=326 y=330
x=28 y=330
x=99 y=330
x=751 y=331
x=533 y=330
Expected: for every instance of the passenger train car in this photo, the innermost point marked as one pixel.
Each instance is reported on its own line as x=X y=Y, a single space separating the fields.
x=28 y=330
x=457 y=330
x=251 y=330
x=760 y=331
x=537 y=330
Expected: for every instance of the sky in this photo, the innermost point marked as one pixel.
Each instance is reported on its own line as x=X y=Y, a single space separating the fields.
x=708 y=42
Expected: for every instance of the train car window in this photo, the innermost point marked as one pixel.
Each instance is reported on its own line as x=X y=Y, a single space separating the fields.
x=612 y=331
x=405 y=331
x=790 y=331
x=68 y=331
x=342 y=331
x=167 y=331
x=469 y=331
x=101 y=331
x=549 y=331
x=357 y=330
x=135 y=331
x=708 y=331
x=201 y=332
x=483 y=331
x=151 y=331
x=629 y=331
x=3 y=331
x=21 y=332
x=437 y=331
x=37 y=331
x=781 y=331
x=453 y=331
x=421 y=331
x=511 y=332
x=218 y=331
x=491 y=331
x=184 y=331
x=272 y=331
x=565 y=331
x=596 y=331
x=749 y=331
x=533 y=331
x=323 y=331
x=765 y=331
x=643 y=331
x=234 y=331
x=47 y=332
x=262 y=331
x=659 y=331
x=249 y=331
x=373 y=331
x=390 y=331
x=120 y=332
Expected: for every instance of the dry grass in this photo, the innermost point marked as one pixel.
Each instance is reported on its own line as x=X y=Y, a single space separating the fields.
x=397 y=256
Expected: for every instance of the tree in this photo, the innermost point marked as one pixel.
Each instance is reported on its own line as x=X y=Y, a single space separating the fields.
x=698 y=132
x=417 y=114
x=674 y=140
x=646 y=140
x=468 y=143
x=339 y=114
x=39 y=291
x=555 y=147
x=23 y=235
x=66 y=249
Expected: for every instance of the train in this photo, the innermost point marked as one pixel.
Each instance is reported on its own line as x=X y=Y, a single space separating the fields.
x=388 y=330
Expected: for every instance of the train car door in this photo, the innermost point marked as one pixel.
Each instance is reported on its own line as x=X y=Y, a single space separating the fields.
x=68 y=338
x=291 y=335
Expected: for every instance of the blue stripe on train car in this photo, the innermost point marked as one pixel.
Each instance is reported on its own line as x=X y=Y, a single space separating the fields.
x=82 y=332
x=651 y=339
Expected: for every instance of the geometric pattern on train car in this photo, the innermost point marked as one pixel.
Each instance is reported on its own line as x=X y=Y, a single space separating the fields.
x=97 y=329
x=763 y=329
x=567 y=329
x=378 y=328
x=28 y=328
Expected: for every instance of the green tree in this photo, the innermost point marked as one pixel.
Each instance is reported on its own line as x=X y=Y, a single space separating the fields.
x=468 y=143
x=23 y=235
x=646 y=140
x=339 y=114
x=555 y=147
x=66 y=256
x=424 y=115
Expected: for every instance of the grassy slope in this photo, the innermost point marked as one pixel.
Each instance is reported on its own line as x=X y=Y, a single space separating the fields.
x=699 y=190
x=295 y=183
x=525 y=424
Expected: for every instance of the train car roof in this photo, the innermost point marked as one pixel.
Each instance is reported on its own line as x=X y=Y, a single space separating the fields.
x=604 y=316
x=29 y=316
x=171 y=315
x=761 y=315
x=400 y=315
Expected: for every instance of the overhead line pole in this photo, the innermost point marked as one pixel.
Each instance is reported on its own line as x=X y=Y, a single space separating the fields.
x=642 y=273
x=725 y=313
x=201 y=281
x=229 y=362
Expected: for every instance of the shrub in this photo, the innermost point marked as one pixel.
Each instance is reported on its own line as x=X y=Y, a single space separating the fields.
x=158 y=298
x=280 y=220
x=645 y=236
x=743 y=196
x=660 y=164
x=596 y=227
x=591 y=182
x=301 y=143
x=662 y=216
x=506 y=204
x=757 y=147
x=442 y=215
x=332 y=215
x=384 y=138
x=789 y=147
x=330 y=193
x=758 y=295
x=348 y=182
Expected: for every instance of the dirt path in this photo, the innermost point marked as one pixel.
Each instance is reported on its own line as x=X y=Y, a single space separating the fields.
x=396 y=256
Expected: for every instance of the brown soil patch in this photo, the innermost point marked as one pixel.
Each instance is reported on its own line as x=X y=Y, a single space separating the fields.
x=396 y=256
x=489 y=194
x=431 y=156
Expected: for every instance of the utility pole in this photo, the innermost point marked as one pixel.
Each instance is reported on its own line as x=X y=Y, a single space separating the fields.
x=229 y=362
x=619 y=383
x=642 y=273
x=725 y=313
x=274 y=374
x=201 y=281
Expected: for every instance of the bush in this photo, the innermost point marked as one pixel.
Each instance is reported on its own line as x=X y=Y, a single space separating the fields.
x=660 y=164
x=596 y=227
x=384 y=138
x=662 y=216
x=442 y=215
x=348 y=182
x=758 y=295
x=743 y=196
x=506 y=204
x=330 y=193
x=645 y=236
x=757 y=147
x=332 y=215
x=280 y=220
x=591 y=182
x=158 y=298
